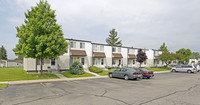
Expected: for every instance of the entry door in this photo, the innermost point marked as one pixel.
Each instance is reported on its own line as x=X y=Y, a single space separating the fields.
x=82 y=60
x=53 y=63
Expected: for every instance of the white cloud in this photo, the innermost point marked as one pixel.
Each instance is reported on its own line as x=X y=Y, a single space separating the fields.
x=140 y=23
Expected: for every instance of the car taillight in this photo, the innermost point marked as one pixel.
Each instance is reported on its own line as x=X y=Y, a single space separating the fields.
x=134 y=73
x=194 y=69
x=147 y=73
x=140 y=72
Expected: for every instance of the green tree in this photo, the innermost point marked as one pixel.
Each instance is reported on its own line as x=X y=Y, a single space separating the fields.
x=179 y=57
x=186 y=54
x=163 y=48
x=195 y=55
x=3 y=53
x=113 y=40
x=20 y=57
x=40 y=37
x=166 y=57
x=141 y=56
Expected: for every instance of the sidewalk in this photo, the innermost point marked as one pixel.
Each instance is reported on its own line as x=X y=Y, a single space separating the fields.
x=59 y=80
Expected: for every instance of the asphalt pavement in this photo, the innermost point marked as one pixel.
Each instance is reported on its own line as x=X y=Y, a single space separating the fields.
x=164 y=89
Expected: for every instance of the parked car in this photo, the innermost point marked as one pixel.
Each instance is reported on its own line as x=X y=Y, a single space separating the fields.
x=146 y=73
x=184 y=68
x=126 y=73
x=197 y=67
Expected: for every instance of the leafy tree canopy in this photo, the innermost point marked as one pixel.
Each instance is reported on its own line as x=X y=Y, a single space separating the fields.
x=141 y=56
x=166 y=57
x=163 y=48
x=40 y=36
x=179 y=57
x=195 y=55
x=186 y=53
x=113 y=40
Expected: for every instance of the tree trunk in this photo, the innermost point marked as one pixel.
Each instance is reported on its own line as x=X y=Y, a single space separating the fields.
x=41 y=66
x=140 y=64
x=36 y=66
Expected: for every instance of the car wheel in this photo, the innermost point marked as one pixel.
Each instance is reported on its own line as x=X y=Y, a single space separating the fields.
x=189 y=71
x=126 y=77
x=148 y=77
x=173 y=70
x=110 y=75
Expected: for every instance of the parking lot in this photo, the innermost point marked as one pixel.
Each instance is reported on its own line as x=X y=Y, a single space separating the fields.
x=163 y=89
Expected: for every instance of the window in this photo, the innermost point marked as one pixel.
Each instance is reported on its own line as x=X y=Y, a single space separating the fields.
x=94 y=61
x=129 y=61
x=114 y=49
x=133 y=61
x=83 y=61
x=82 y=45
x=73 y=59
x=53 y=61
x=94 y=47
x=113 y=61
x=102 y=61
x=101 y=48
x=119 y=49
x=38 y=61
x=131 y=51
x=73 y=44
x=119 y=62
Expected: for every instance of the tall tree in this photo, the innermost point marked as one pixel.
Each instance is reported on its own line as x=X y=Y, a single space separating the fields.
x=112 y=39
x=141 y=56
x=186 y=53
x=180 y=58
x=3 y=53
x=40 y=37
x=163 y=48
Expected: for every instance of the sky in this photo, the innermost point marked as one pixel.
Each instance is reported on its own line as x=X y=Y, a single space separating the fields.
x=139 y=23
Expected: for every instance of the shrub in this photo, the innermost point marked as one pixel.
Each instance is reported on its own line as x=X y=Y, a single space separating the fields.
x=76 y=68
x=95 y=69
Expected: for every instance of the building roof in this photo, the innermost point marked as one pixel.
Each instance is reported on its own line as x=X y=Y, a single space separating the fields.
x=99 y=54
x=131 y=56
x=78 y=53
x=106 y=44
x=117 y=55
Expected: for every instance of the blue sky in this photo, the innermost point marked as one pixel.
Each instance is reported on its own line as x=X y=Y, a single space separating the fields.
x=139 y=23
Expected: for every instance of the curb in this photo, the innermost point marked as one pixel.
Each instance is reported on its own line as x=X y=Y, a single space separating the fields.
x=52 y=80
x=59 y=80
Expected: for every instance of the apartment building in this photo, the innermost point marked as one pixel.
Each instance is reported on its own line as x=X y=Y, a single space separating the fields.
x=95 y=54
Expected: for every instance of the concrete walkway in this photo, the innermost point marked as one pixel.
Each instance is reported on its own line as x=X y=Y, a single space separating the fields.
x=61 y=76
x=91 y=72
x=61 y=79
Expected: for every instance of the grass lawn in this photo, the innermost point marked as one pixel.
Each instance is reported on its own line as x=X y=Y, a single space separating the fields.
x=159 y=68
x=3 y=85
x=17 y=73
x=105 y=72
x=69 y=75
